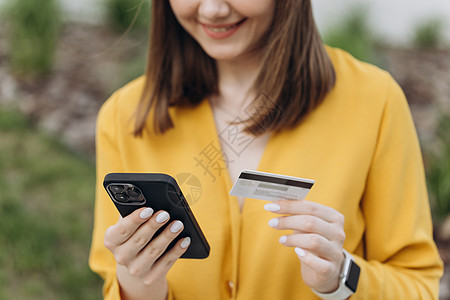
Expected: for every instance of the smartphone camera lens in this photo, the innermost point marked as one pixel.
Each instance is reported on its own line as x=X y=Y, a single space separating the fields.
x=126 y=194
x=116 y=189
x=134 y=192
x=121 y=197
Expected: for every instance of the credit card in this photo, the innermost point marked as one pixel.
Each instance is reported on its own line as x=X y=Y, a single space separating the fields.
x=271 y=187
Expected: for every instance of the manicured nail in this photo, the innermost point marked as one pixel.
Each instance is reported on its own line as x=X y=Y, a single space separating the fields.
x=176 y=226
x=283 y=239
x=162 y=217
x=185 y=243
x=272 y=207
x=300 y=252
x=146 y=213
x=273 y=222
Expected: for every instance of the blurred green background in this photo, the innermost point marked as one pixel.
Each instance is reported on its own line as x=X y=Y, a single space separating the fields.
x=56 y=69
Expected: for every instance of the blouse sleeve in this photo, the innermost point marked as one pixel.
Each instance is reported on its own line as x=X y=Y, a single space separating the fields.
x=108 y=160
x=401 y=259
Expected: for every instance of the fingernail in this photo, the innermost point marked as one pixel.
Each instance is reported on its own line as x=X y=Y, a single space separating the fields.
x=146 y=213
x=283 y=239
x=162 y=217
x=185 y=243
x=273 y=222
x=272 y=207
x=300 y=252
x=176 y=226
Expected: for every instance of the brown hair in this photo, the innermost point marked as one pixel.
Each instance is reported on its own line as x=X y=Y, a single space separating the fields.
x=296 y=71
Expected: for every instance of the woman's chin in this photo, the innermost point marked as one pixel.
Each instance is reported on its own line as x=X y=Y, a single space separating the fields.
x=223 y=54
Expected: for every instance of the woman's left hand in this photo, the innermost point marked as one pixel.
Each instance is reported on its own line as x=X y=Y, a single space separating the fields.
x=318 y=238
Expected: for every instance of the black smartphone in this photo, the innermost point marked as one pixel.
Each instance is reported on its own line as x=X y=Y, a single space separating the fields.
x=130 y=191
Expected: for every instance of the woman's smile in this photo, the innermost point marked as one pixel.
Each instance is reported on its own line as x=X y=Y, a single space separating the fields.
x=226 y=30
x=222 y=31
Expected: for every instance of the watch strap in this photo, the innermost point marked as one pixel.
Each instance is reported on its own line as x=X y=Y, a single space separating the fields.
x=342 y=292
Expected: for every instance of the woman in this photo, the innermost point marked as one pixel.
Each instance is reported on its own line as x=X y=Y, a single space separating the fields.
x=234 y=85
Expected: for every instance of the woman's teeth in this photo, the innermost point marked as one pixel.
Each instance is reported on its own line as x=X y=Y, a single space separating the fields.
x=222 y=29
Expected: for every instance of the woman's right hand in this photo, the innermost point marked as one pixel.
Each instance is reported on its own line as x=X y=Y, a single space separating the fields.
x=128 y=240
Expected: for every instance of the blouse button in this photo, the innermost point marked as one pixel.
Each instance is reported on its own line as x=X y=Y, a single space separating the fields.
x=230 y=286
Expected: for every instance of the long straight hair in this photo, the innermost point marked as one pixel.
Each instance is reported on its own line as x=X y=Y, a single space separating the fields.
x=295 y=76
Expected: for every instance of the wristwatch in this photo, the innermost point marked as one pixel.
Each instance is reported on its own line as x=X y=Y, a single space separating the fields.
x=348 y=280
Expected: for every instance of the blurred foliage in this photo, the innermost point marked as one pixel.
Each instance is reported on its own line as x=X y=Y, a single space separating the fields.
x=46 y=205
x=353 y=34
x=429 y=34
x=128 y=14
x=131 y=16
x=33 y=30
x=437 y=165
x=133 y=68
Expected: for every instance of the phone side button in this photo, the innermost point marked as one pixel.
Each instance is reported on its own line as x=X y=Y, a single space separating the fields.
x=186 y=204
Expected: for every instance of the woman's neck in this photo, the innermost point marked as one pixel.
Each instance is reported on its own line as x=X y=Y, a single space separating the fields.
x=236 y=80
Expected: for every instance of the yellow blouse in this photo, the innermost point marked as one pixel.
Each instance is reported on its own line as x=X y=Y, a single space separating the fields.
x=359 y=145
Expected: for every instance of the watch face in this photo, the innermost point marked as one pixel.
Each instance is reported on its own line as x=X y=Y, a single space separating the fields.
x=352 y=276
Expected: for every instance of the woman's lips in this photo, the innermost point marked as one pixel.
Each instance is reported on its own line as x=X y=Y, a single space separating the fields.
x=222 y=31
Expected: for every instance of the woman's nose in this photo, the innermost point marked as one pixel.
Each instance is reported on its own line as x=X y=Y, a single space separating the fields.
x=214 y=9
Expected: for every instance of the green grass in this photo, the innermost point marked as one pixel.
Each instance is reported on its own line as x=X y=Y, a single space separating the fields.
x=46 y=208
x=354 y=35
x=33 y=30
x=437 y=165
x=121 y=14
x=429 y=34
